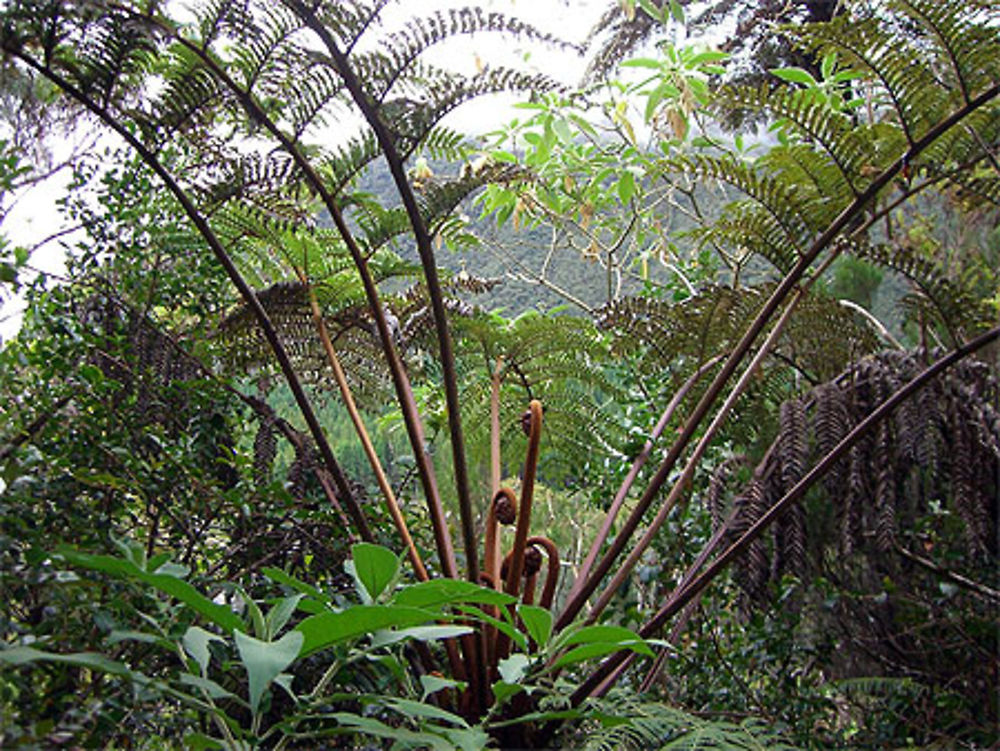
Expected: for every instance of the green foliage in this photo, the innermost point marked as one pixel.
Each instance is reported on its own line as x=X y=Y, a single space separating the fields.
x=597 y=182
x=208 y=666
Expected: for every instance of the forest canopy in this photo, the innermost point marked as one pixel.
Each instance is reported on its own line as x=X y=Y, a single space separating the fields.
x=664 y=415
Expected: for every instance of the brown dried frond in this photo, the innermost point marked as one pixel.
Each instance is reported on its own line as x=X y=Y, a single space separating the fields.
x=941 y=447
x=265 y=448
x=717 y=486
x=830 y=426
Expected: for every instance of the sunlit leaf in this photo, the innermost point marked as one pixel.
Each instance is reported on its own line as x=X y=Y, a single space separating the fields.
x=265 y=660
x=795 y=75
x=218 y=614
x=374 y=566
x=439 y=592
x=538 y=622
x=326 y=629
x=196 y=643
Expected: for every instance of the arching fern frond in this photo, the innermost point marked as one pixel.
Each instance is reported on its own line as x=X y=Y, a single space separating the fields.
x=547 y=357
x=401 y=48
x=629 y=724
x=415 y=105
x=437 y=200
x=188 y=98
x=696 y=328
x=937 y=298
x=924 y=72
x=833 y=133
x=966 y=36
x=780 y=198
x=345 y=163
x=111 y=52
x=263 y=40
x=445 y=144
x=747 y=225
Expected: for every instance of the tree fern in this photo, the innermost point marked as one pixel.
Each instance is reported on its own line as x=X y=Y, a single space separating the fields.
x=550 y=358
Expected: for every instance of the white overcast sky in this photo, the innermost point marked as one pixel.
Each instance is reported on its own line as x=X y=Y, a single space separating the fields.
x=34 y=215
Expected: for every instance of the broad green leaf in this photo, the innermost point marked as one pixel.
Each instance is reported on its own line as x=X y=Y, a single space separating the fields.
x=596 y=634
x=828 y=64
x=312 y=607
x=210 y=687
x=541 y=154
x=412 y=708
x=285 y=681
x=651 y=10
x=374 y=566
x=562 y=130
x=154 y=563
x=90 y=660
x=421 y=633
x=512 y=669
x=677 y=11
x=440 y=592
x=626 y=186
x=279 y=576
x=431 y=684
x=503 y=690
x=118 y=636
x=663 y=91
x=643 y=62
x=265 y=660
x=583 y=125
x=502 y=626
x=847 y=75
x=220 y=615
x=371 y=727
x=698 y=87
x=466 y=739
x=558 y=714
x=169 y=568
x=600 y=649
x=709 y=56
x=202 y=742
x=503 y=214
x=795 y=75
x=323 y=630
x=280 y=613
x=256 y=615
x=196 y=641
x=538 y=622
x=132 y=551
